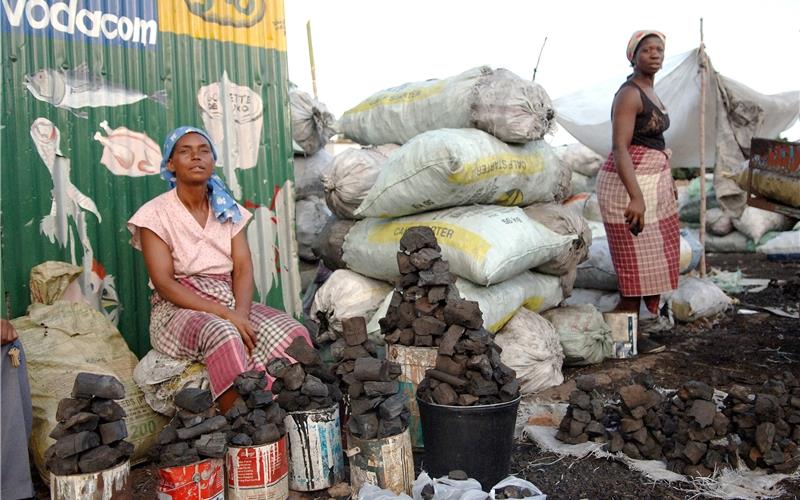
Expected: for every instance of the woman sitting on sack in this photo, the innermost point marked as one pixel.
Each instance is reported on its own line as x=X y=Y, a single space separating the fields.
x=199 y=263
x=635 y=189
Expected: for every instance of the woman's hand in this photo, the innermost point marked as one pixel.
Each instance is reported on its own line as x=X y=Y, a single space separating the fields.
x=9 y=333
x=634 y=214
x=242 y=323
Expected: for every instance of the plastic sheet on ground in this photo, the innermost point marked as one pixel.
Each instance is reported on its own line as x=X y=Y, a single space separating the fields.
x=742 y=483
x=160 y=376
x=697 y=298
x=445 y=488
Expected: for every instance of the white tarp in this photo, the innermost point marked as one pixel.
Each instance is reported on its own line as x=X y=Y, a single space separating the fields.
x=734 y=114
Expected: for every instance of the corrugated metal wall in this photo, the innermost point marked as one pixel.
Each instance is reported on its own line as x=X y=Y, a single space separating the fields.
x=90 y=89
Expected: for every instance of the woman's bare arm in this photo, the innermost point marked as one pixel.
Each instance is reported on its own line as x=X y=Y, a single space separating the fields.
x=626 y=105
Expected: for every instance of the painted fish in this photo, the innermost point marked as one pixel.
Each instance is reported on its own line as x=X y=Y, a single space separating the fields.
x=79 y=88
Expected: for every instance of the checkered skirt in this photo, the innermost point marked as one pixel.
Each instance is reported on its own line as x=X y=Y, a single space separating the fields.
x=647 y=264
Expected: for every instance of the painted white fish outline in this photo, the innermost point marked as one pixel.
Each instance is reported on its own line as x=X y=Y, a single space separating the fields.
x=69 y=201
x=79 y=88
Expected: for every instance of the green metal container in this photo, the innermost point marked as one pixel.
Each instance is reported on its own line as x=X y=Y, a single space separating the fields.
x=90 y=88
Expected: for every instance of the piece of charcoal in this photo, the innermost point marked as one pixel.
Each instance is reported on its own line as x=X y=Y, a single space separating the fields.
x=423 y=340
x=428 y=325
x=354 y=330
x=250 y=381
x=424 y=258
x=206 y=427
x=268 y=433
x=301 y=351
x=167 y=435
x=450 y=338
x=504 y=374
x=361 y=406
x=466 y=313
x=82 y=421
x=100 y=458
x=211 y=445
x=447 y=365
x=445 y=377
x=391 y=427
x=313 y=387
x=62 y=466
x=241 y=439
x=418 y=237
x=406 y=337
x=108 y=410
x=404 y=264
x=76 y=443
x=288 y=400
x=392 y=407
x=372 y=389
x=482 y=364
x=111 y=432
x=293 y=377
x=194 y=399
x=355 y=352
x=237 y=409
x=68 y=407
x=259 y=398
x=433 y=278
x=443 y=394
x=189 y=419
x=276 y=366
x=124 y=447
x=364 y=426
x=371 y=370
x=257 y=417
x=483 y=387
x=467 y=400
x=88 y=385
x=702 y=412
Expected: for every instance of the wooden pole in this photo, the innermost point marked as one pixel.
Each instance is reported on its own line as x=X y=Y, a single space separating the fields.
x=311 y=60
x=702 y=61
x=538 y=59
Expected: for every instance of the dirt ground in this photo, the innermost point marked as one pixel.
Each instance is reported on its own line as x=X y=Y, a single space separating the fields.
x=741 y=349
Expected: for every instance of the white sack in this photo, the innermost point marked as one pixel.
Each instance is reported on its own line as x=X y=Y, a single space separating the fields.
x=456 y=167
x=522 y=485
x=499 y=303
x=309 y=172
x=353 y=173
x=445 y=488
x=581 y=184
x=497 y=101
x=160 y=376
x=371 y=492
x=532 y=348
x=719 y=222
x=312 y=123
x=734 y=242
x=697 y=298
x=690 y=252
x=603 y=300
x=755 y=222
x=584 y=335
x=784 y=246
x=598 y=271
x=346 y=294
x=580 y=159
x=312 y=215
x=560 y=219
x=484 y=244
x=586 y=205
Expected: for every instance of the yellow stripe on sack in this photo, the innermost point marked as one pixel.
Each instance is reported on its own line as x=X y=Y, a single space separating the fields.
x=497 y=325
x=447 y=234
x=496 y=166
x=258 y=23
x=392 y=98
x=534 y=303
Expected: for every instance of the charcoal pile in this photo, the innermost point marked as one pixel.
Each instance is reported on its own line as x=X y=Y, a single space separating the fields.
x=306 y=384
x=378 y=409
x=90 y=434
x=767 y=423
x=194 y=433
x=426 y=310
x=255 y=419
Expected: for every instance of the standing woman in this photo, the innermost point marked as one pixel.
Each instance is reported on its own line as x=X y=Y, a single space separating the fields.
x=635 y=188
x=199 y=263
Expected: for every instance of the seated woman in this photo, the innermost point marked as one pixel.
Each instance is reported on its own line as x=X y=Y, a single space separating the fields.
x=199 y=263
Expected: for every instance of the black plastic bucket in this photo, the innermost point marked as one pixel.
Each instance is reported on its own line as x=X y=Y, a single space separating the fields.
x=476 y=439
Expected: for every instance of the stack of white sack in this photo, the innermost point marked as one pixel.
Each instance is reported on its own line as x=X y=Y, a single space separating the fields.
x=466 y=184
x=584 y=335
x=583 y=163
x=312 y=126
x=752 y=229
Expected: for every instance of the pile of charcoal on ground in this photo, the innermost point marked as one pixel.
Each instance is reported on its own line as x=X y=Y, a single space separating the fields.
x=686 y=429
x=377 y=406
x=426 y=310
x=306 y=384
x=254 y=417
x=194 y=433
x=90 y=434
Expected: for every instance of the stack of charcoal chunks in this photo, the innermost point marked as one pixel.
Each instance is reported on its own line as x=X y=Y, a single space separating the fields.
x=686 y=429
x=377 y=406
x=767 y=423
x=91 y=428
x=194 y=433
x=426 y=310
x=306 y=384
x=255 y=419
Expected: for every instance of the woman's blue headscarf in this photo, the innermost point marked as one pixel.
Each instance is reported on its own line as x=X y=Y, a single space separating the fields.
x=222 y=203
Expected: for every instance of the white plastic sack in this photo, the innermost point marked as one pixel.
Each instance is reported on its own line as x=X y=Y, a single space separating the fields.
x=562 y=220
x=312 y=215
x=719 y=222
x=372 y=492
x=586 y=205
x=160 y=376
x=597 y=271
x=581 y=184
x=603 y=300
x=532 y=348
x=580 y=159
x=352 y=175
x=478 y=97
x=499 y=303
x=784 y=246
x=483 y=244
x=584 y=335
x=456 y=167
x=755 y=223
x=345 y=295
x=734 y=242
x=697 y=298
x=519 y=483
x=445 y=488
x=312 y=123
x=690 y=252
x=309 y=172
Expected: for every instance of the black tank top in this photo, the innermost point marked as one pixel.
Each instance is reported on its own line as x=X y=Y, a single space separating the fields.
x=650 y=124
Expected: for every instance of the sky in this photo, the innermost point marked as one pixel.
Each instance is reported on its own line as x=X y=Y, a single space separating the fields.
x=363 y=46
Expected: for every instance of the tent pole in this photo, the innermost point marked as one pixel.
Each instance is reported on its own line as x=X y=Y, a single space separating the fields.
x=703 y=70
